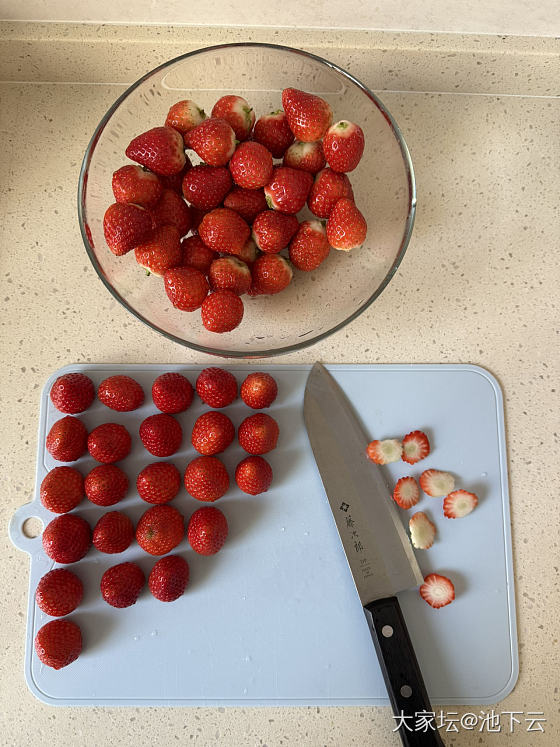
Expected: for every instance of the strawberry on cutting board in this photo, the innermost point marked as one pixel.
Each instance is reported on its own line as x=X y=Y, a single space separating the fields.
x=160 y=529
x=161 y=434
x=172 y=393
x=207 y=530
x=106 y=485
x=67 y=439
x=62 y=489
x=212 y=433
x=59 y=592
x=158 y=482
x=216 y=387
x=121 y=584
x=58 y=643
x=121 y=393
x=438 y=591
x=169 y=578
x=206 y=478
x=72 y=393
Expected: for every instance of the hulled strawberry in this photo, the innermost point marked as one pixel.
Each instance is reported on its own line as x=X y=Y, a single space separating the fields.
x=161 y=434
x=125 y=226
x=459 y=503
x=204 y=187
x=272 y=231
x=121 y=393
x=67 y=538
x=309 y=247
x=168 y=578
x=206 y=478
x=222 y=311
x=67 y=439
x=422 y=531
x=212 y=433
x=328 y=187
x=273 y=131
x=253 y=475
x=196 y=254
x=59 y=592
x=223 y=230
x=109 y=443
x=160 y=149
x=437 y=591
x=346 y=226
x=415 y=447
x=72 y=393
x=271 y=273
x=288 y=189
x=309 y=116
x=251 y=165
x=258 y=434
x=237 y=113
x=406 y=492
x=172 y=393
x=62 y=489
x=121 y=584
x=343 y=146
x=259 y=390
x=207 y=530
x=213 y=140
x=216 y=387
x=305 y=156
x=161 y=251
x=106 y=485
x=136 y=185
x=184 y=116
x=113 y=533
x=230 y=273
x=186 y=287
x=247 y=202
x=172 y=210
x=436 y=483
x=160 y=529
x=384 y=452
x=58 y=643
x=158 y=482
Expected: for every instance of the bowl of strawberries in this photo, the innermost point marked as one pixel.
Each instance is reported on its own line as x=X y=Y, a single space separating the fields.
x=247 y=200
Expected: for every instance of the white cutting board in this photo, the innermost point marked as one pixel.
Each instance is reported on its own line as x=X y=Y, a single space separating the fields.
x=274 y=618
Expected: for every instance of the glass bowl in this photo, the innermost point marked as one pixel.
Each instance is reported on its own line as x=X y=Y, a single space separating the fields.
x=316 y=304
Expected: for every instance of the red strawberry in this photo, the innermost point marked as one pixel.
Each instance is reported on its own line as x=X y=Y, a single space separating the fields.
x=58 y=643
x=172 y=210
x=160 y=149
x=212 y=433
x=206 y=478
x=121 y=584
x=343 y=146
x=230 y=273
x=422 y=531
x=175 y=181
x=67 y=538
x=125 y=226
x=222 y=311
x=273 y=131
x=383 y=452
x=59 y=592
x=288 y=189
x=161 y=434
x=223 y=230
x=196 y=254
x=247 y=202
x=186 y=287
x=327 y=189
x=213 y=140
x=258 y=434
x=251 y=165
x=415 y=447
x=436 y=483
x=72 y=393
x=406 y=492
x=271 y=273
x=120 y=393
x=204 y=187
x=136 y=185
x=253 y=475
x=106 y=485
x=109 y=443
x=459 y=503
x=237 y=113
x=437 y=590
x=309 y=116
x=161 y=251
x=198 y=215
x=62 y=489
x=249 y=253
x=309 y=247
x=67 y=439
x=158 y=482
x=216 y=387
x=113 y=533
x=272 y=231
x=346 y=226
x=207 y=530
x=172 y=393
x=169 y=578
x=305 y=156
x=160 y=529
x=259 y=390
x=184 y=115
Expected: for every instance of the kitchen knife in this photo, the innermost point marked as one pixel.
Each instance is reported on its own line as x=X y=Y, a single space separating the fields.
x=377 y=547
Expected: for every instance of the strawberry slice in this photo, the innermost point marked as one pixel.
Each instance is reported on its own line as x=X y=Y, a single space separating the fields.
x=406 y=493
x=436 y=483
x=437 y=590
x=383 y=452
x=459 y=503
x=422 y=531
x=415 y=447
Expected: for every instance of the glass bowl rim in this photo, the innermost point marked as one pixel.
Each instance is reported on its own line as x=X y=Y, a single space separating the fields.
x=216 y=351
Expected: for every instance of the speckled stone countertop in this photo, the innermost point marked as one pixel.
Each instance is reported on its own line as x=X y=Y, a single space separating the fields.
x=479 y=284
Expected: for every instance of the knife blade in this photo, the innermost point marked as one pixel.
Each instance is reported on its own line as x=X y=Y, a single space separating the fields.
x=377 y=548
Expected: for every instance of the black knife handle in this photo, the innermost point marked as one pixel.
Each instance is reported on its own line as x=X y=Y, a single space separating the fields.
x=401 y=672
